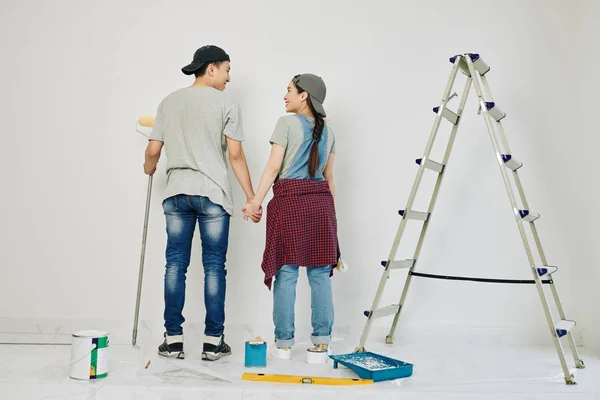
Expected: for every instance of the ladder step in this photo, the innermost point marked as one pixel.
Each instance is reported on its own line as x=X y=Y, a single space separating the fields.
x=494 y=111
x=404 y=264
x=479 y=64
x=408 y=214
x=546 y=270
x=432 y=165
x=449 y=115
x=528 y=215
x=564 y=327
x=511 y=162
x=383 y=312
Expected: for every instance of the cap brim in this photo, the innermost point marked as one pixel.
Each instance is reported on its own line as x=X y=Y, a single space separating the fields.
x=191 y=68
x=318 y=106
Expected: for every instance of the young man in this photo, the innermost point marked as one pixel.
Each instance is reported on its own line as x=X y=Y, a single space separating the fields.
x=197 y=126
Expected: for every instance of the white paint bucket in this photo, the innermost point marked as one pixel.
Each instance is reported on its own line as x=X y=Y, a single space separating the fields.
x=316 y=357
x=89 y=355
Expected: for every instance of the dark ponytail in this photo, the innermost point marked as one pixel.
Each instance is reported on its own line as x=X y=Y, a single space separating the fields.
x=313 y=158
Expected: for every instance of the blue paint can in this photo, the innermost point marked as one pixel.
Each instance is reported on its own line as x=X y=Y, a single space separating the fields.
x=256 y=353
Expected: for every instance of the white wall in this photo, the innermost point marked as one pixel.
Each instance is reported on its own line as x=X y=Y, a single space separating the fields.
x=76 y=74
x=583 y=145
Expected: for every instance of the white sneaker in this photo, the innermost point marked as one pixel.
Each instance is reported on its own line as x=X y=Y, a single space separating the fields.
x=282 y=354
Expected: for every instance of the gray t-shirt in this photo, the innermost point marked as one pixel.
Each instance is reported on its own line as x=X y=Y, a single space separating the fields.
x=294 y=133
x=193 y=124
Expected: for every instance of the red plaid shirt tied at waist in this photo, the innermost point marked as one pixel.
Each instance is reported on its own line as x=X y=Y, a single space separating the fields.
x=301 y=227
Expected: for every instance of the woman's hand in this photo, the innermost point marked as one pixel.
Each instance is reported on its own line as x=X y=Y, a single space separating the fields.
x=253 y=211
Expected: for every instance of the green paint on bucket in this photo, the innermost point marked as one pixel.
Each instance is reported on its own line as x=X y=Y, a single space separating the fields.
x=99 y=359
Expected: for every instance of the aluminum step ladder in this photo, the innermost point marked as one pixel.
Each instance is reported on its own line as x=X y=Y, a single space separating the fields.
x=475 y=69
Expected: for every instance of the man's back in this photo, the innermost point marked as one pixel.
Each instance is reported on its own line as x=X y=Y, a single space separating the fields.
x=196 y=126
x=193 y=122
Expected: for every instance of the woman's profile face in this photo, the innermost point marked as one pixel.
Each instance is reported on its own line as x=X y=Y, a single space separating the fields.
x=293 y=100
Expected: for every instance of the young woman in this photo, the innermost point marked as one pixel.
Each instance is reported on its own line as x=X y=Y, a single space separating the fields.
x=301 y=220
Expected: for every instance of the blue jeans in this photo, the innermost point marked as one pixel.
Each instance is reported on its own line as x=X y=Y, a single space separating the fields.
x=181 y=213
x=284 y=300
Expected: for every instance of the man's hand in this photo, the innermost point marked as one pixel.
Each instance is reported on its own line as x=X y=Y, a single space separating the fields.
x=149 y=170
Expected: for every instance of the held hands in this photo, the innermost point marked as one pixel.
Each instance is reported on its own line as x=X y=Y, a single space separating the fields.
x=253 y=211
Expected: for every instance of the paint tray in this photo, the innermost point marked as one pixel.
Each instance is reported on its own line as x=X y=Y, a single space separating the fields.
x=373 y=366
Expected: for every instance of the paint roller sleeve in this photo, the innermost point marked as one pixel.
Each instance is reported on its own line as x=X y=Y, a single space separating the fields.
x=146 y=120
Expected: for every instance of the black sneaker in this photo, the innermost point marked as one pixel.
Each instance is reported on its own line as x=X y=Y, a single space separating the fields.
x=210 y=352
x=172 y=347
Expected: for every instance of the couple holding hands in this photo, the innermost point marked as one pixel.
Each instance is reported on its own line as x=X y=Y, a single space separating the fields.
x=198 y=127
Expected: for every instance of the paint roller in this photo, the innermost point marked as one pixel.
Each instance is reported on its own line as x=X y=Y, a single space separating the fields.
x=144 y=126
x=146 y=120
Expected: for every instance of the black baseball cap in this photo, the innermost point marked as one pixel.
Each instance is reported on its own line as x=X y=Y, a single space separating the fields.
x=203 y=55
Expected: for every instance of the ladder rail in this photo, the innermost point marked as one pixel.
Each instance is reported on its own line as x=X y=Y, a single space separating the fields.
x=570 y=339
x=410 y=201
x=488 y=93
x=505 y=178
x=553 y=289
x=534 y=231
x=380 y=289
x=538 y=284
x=432 y=136
x=440 y=178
